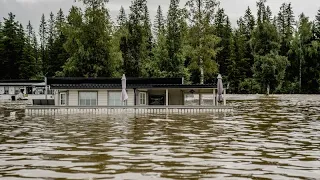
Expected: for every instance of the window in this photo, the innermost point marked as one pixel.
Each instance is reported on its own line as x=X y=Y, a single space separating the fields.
x=63 y=99
x=17 y=90
x=114 y=99
x=6 y=90
x=143 y=98
x=88 y=98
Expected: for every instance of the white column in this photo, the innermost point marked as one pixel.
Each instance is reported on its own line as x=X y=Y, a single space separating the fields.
x=200 y=98
x=46 y=88
x=167 y=97
x=224 y=97
x=214 y=97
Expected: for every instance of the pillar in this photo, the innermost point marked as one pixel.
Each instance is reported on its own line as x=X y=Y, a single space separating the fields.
x=214 y=97
x=224 y=97
x=167 y=97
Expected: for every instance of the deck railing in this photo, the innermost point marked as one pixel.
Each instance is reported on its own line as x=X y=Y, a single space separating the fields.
x=51 y=110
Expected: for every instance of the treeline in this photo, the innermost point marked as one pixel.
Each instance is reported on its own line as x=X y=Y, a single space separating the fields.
x=195 y=42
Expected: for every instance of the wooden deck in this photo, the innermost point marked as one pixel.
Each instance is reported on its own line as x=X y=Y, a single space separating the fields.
x=58 y=110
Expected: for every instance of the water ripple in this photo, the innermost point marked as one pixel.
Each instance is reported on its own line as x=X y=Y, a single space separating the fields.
x=274 y=137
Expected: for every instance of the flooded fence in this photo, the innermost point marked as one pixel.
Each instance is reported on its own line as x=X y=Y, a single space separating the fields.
x=54 y=110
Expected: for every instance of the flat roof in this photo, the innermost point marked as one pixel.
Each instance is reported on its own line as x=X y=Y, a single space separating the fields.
x=19 y=82
x=104 y=80
x=115 y=83
x=133 y=86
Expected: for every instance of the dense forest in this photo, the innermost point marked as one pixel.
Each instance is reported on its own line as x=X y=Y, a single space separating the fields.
x=196 y=42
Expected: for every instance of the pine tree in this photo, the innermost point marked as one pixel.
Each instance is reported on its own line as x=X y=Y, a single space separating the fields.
x=50 y=70
x=59 y=22
x=122 y=18
x=91 y=56
x=224 y=31
x=138 y=41
x=202 y=40
x=317 y=25
x=159 y=23
x=249 y=22
x=269 y=67
x=11 y=48
x=285 y=22
x=43 y=34
x=27 y=69
x=173 y=65
x=56 y=52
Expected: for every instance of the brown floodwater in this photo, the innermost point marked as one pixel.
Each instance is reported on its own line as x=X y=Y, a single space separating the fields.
x=264 y=138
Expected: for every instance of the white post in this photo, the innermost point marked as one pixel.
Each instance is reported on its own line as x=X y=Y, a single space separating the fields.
x=46 y=87
x=200 y=98
x=224 y=97
x=214 y=97
x=167 y=97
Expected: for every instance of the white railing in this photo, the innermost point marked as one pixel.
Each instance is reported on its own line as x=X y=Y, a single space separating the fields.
x=52 y=110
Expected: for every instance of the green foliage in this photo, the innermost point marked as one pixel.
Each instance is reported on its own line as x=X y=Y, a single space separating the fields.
x=43 y=34
x=202 y=45
x=89 y=42
x=269 y=70
x=159 y=23
x=224 y=31
x=173 y=65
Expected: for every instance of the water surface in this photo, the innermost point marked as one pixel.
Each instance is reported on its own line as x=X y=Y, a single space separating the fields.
x=265 y=138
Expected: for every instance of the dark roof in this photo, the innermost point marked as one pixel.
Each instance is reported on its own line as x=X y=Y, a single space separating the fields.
x=103 y=81
x=113 y=83
x=132 y=86
x=21 y=81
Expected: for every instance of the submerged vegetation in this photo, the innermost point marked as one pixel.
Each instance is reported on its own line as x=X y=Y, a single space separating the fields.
x=196 y=42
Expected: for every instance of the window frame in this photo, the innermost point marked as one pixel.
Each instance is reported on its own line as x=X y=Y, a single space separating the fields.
x=6 y=90
x=143 y=94
x=79 y=100
x=60 y=99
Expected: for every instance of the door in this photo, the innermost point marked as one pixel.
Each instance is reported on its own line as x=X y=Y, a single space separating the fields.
x=63 y=99
x=143 y=98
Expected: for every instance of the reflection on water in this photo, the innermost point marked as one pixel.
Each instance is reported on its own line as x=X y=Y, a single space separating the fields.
x=270 y=138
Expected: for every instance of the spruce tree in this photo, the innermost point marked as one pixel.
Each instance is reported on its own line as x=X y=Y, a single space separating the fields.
x=159 y=23
x=269 y=67
x=43 y=34
x=317 y=25
x=138 y=41
x=28 y=65
x=202 y=40
x=224 y=31
x=122 y=18
x=11 y=48
x=89 y=42
x=174 y=64
x=50 y=70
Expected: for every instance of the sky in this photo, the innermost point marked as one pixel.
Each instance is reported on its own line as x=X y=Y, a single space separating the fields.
x=32 y=10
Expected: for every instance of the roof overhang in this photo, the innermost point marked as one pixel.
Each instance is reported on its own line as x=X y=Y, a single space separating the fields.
x=133 y=86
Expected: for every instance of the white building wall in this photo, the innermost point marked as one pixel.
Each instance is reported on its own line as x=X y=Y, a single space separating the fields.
x=103 y=98
x=130 y=101
x=1 y=89
x=73 y=98
x=11 y=90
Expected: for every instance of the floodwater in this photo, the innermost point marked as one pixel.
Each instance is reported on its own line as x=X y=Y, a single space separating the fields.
x=265 y=138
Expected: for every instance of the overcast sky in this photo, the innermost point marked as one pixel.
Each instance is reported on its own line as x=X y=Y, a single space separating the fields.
x=32 y=10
